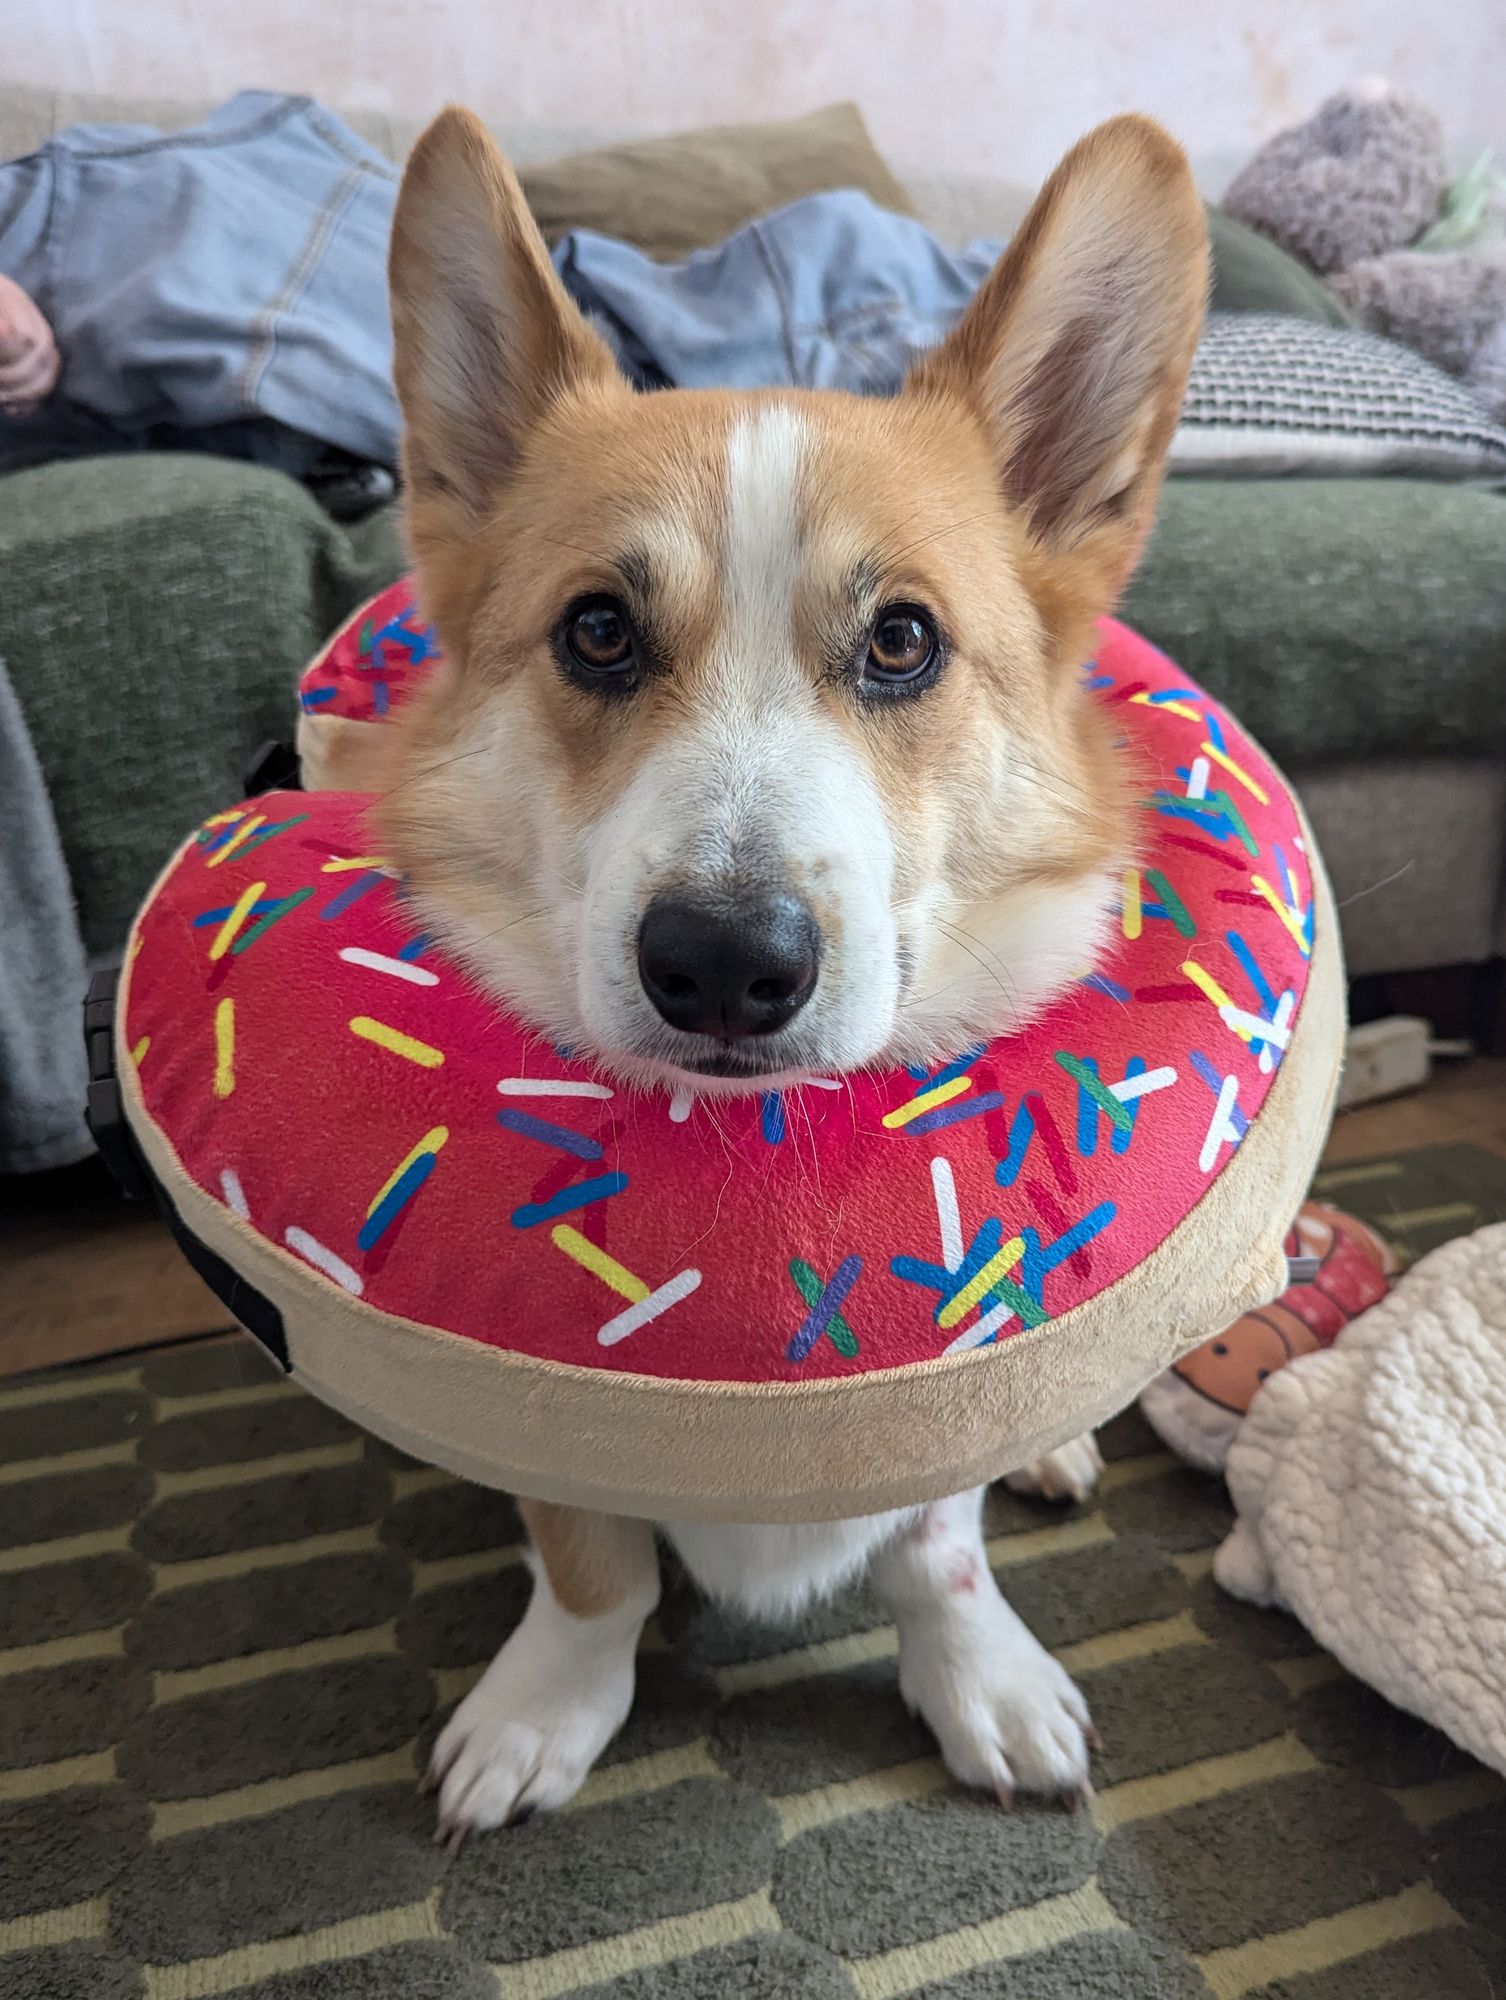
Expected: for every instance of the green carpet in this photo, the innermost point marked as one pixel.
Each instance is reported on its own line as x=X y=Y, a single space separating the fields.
x=228 y=1623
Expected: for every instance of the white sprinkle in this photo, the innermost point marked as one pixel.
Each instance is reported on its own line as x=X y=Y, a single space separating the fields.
x=1222 y=1130
x=234 y=1193
x=323 y=1259
x=657 y=1302
x=948 y=1218
x=395 y=968
x=981 y=1329
x=1130 y=1087
x=1256 y=1026
x=548 y=1086
x=1197 y=784
x=1282 y=1018
x=679 y=1106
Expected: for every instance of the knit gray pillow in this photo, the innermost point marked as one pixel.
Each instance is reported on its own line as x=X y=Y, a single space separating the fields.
x=1270 y=394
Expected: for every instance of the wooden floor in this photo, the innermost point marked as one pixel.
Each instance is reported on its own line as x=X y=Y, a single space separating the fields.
x=1463 y=1103
x=83 y=1273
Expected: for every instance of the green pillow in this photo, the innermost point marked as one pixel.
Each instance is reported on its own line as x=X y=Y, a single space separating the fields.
x=1252 y=274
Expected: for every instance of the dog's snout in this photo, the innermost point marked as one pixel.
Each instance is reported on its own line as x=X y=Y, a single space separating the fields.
x=729 y=969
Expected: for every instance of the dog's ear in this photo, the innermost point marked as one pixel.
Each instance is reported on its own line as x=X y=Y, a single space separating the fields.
x=484 y=334
x=1074 y=354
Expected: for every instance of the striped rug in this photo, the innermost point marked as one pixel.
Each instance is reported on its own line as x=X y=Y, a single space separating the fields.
x=229 y=1623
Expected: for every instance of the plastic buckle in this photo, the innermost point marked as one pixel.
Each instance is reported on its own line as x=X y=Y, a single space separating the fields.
x=104 y=1113
x=274 y=768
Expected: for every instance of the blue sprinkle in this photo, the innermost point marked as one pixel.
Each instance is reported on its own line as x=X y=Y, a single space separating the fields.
x=529 y=1127
x=397 y=1197
x=1251 y=970
x=581 y=1195
x=219 y=916
x=954 y=1114
x=825 y=1309
x=366 y=880
x=1100 y=983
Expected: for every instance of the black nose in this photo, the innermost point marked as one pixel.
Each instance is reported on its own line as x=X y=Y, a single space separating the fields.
x=728 y=969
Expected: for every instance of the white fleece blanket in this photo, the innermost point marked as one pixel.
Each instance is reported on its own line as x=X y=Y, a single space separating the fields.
x=1370 y=1482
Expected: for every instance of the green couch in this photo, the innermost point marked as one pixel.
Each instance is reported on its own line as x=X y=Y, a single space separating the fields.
x=155 y=612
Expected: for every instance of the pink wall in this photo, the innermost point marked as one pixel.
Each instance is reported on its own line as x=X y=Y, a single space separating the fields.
x=997 y=86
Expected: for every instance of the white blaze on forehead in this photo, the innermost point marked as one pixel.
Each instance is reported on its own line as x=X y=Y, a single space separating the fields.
x=766 y=454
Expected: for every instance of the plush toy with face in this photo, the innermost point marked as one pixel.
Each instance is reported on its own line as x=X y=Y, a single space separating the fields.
x=1199 y=1405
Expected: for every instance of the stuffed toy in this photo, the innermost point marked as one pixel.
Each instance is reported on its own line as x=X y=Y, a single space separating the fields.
x=1340 y=1268
x=1370 y=1485
x=1361 y=194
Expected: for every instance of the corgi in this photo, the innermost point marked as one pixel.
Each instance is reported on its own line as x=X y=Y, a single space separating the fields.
x=761 y=750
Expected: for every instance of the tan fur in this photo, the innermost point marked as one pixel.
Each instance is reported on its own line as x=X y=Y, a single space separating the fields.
x=338 y=754
x=595 y=1562
x=1008 y=489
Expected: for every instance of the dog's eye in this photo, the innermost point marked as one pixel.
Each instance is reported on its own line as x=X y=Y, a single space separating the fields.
x=599 y=636
x=901 y=645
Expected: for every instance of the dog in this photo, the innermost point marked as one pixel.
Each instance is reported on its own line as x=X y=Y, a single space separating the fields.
x=761 y=750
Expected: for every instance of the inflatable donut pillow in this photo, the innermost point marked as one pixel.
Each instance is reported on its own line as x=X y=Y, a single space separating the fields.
x=845 y=1297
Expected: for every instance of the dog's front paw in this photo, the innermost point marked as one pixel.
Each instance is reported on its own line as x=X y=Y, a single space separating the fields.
x=1071 y=1472
x=1007 y=1716
x=523 y=1740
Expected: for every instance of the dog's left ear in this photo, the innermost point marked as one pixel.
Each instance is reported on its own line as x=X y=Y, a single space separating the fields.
x=1074 y=354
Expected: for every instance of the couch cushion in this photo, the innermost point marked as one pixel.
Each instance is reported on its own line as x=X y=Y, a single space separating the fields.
x=1272 y=394
x=1254 y=275
x=1362 y=619
x=691 y=190
x=158 y=611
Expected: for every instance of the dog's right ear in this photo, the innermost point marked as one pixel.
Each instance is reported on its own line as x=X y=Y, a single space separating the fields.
x=485 y=337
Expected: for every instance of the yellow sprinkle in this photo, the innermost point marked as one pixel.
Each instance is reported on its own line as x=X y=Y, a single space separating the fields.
x=224 y=937
x=225 y=818
x=429 y=1143
x=1169 y=707
x=927 y=1101
x=983 y=1281
x=243 y=832
x=1132 y=925
x=358 y=861
x=1206 y=983
x=1283 y=910
x=139 y=1052
x=598 y=1263
x=1234 y=770
x=224 y=1048
x=399 y=1043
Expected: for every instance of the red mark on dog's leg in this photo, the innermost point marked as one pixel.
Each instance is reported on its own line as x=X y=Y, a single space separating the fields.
x=962 y=1575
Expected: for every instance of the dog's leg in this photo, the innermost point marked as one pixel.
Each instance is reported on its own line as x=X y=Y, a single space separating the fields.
x=1071 y=1472
x=560 y=1689
x=1006 y=1715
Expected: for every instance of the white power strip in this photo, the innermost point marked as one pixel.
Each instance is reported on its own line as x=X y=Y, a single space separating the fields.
x=1385 y=1057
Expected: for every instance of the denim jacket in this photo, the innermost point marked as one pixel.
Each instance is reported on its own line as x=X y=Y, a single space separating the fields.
x=234 y=276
